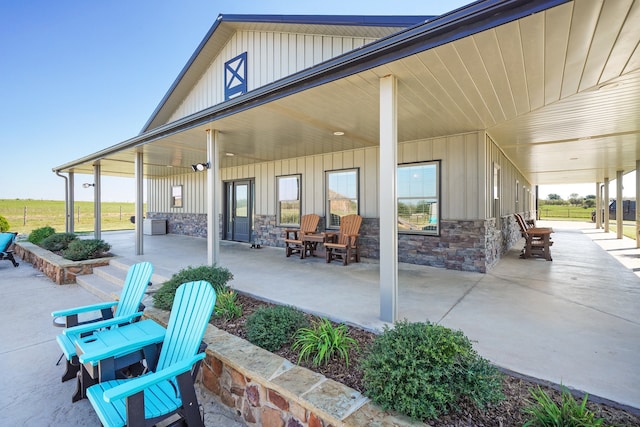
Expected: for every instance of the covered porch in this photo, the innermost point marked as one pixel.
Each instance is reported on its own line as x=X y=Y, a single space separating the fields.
x=572 y=321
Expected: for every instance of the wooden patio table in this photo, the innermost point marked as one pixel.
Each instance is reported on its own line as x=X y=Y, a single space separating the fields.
x=538 y=240
x=311 y=241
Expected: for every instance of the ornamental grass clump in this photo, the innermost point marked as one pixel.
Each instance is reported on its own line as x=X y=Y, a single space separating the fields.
x=544 y=412
x=322 y=341
x=227 y=305
x=273 y=327
x=217 y=276
x=425 y=370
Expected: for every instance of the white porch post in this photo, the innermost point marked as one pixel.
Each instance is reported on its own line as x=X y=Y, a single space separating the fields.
x=213 y=224
x=605 y=202
x=70 y=202
x=637 y=201
x=598 y=207
x=388 y=199
x=619 y=205
x=97 y=208
x=139 y=202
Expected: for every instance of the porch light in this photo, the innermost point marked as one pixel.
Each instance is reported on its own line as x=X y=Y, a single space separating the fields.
x=338 y=133
x=87 y=185
x=199 y=167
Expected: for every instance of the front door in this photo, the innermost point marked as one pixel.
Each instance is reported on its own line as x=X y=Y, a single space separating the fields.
x=238 y=210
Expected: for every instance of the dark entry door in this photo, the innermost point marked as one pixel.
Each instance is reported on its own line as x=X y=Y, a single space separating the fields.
x=239 y=196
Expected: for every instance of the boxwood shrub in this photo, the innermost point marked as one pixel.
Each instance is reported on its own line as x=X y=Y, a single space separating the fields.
x=424 y=370
x=217 y=276
x=58 y=241
x=81 y=249
x=273 y=327
x=39 y=234
x=4 y=224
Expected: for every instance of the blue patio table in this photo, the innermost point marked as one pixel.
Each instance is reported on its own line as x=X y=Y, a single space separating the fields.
x=105 y=353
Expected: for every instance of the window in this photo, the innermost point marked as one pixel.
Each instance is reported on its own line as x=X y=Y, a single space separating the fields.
x=176 y=196
x=288 y=188
x=418 y=195
x=342 y=195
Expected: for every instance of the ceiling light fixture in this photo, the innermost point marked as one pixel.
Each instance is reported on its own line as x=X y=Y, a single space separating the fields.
x=199 y=167
x=338 y=133
x=229 y=154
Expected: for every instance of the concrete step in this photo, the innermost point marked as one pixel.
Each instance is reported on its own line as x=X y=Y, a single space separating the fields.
x=106 y=282
x=100 y=286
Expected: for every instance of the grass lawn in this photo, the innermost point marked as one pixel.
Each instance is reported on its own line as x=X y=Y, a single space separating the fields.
x=25 y=215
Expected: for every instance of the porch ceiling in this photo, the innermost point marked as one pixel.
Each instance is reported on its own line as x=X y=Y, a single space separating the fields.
x=559 y=91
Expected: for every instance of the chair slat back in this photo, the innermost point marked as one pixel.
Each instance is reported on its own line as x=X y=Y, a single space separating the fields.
x=309 y=223
x=135 y=284
x=6 y=240
x=349 y=225
x=190 y=314
x=521 y=224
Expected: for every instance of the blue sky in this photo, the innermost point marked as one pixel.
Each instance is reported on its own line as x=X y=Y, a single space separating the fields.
x=78 y=76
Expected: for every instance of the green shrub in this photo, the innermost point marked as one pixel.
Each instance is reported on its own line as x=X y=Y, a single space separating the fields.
x=227 y=306
x=546 y=413
x=273 y=327
x=58 y=241
x=39 y=234
x=217 y=276
x=424 y=370
x=323 y=341
x=4 y=224
x=81 y=249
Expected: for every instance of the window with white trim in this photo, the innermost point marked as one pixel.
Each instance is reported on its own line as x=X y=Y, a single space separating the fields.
x=419 y=197
x=342 y=195
x=288 y=199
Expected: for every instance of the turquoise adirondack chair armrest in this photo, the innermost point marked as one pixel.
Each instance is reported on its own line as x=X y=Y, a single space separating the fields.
x=156 y=336
x=84 y=309
x=80 y=329
x=139 y=384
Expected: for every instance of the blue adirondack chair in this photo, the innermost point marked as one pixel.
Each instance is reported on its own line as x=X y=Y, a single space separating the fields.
x=6 y=241
x=128 y=309
x=168 y=388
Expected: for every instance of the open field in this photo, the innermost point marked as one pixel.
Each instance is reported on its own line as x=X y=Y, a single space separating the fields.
x=578 y=213
x=25 y=215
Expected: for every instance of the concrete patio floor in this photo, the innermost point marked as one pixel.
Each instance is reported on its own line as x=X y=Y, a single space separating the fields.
x=573 y=321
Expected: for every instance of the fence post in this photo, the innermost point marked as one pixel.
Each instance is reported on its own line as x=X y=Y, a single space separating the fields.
x=24 y=216
x=78 y=214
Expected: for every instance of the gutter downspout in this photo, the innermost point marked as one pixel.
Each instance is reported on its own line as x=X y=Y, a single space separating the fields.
x=67 y=215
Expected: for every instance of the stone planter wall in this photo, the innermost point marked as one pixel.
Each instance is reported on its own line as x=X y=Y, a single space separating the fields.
x=269 y=391
x=60 y=270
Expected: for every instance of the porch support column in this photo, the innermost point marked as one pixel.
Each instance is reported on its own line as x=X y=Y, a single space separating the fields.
x=388 y=198
x=97 y=206
x=69 y=226
x=598 y=207
x=619 y=205
x=139 y=202
x=605 y=202
x=213 y=211
x=637 y=202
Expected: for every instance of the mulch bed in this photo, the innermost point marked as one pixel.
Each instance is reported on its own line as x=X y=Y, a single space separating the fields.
x=507 y=413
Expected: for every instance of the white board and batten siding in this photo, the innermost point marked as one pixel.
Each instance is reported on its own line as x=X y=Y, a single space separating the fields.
x=270 y=56
x=466 y=178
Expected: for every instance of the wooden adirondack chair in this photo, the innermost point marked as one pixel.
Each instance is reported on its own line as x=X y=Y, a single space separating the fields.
x=6 y=241
x=345 y=246
x=128 y=309
x=293 y=236
x=168 y=388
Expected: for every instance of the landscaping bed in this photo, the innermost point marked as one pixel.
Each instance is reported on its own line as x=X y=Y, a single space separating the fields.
x=507 y=413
